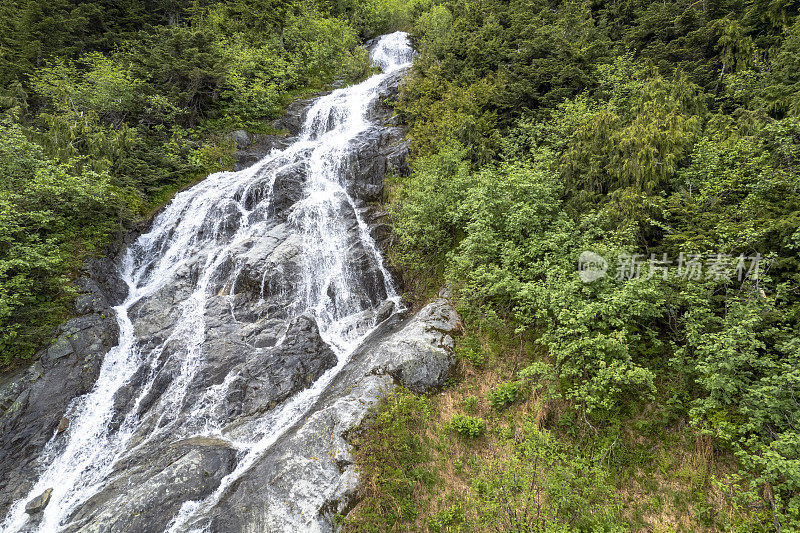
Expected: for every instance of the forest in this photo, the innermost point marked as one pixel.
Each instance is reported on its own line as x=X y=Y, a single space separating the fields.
x=658 y=140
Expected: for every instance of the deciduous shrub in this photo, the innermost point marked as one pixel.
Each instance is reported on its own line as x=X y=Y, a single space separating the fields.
x=468 y=426
x=505 y=394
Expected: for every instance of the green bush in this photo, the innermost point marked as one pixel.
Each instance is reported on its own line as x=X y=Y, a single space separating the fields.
x=446 y=517
x=470 y=404
x=469 y=348
x=545 y=485
x=468 y=426
x=505 y=394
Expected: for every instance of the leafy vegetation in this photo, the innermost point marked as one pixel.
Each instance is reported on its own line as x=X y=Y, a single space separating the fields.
x=391 y=463
x=51 y=213
x=468 y=426
x=505 y=394
x=664 y=138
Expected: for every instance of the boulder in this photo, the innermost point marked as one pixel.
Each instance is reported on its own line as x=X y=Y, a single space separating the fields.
x=37 y=504
x=420 y=356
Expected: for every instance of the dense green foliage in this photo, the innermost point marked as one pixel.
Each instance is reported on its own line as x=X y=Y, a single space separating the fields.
x=632 y=130
x=50 y=212
x=112 y=107
x=505 y=394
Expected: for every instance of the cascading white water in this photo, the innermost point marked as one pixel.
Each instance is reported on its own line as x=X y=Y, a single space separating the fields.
x=203 y=229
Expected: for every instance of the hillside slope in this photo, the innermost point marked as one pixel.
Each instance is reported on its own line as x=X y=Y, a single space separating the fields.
x=611 y=189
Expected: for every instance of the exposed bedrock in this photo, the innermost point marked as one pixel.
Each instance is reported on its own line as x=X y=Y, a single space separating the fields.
x=33 y=399
x=309 y=476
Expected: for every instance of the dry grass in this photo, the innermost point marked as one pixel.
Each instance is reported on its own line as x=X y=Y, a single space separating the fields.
x=684 y=470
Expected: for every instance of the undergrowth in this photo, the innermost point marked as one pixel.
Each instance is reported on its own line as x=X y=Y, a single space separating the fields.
x=479 y=456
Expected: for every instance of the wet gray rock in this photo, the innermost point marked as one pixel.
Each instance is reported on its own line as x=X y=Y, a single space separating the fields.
x=252 y=147
x=308 y=477
x=33 y=399
x=378 y=219
x=272 y=376
x=37 y=504
x=14 y=384
x=153 y=484
x=288 y=188
x=376 y=152
x=380 y=149
x=294 y=116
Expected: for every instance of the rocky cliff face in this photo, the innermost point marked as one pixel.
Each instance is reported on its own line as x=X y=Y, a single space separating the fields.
x=33 y=399
x=213 y=371
x=307 y=476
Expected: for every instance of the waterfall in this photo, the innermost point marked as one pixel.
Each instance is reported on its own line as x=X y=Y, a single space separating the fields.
x=203 y=247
